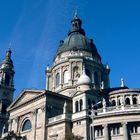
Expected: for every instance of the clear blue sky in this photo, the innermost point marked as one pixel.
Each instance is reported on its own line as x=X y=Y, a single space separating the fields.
x=34 y=27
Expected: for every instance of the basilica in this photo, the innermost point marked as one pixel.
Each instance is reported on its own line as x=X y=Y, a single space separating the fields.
x=77 y=98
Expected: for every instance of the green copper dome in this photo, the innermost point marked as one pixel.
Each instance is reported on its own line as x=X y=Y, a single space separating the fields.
x=77 y=40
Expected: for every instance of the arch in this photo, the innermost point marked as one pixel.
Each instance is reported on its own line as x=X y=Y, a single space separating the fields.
x=81 y=104
x=96 y=79
x=66 y=76
x=76 y=106
x=26 y=125
x=119 y=101
x=134 y=100
x=57 y=79
x=7 y=80
x=113 y=103
x=76 y=24
x=127 y=101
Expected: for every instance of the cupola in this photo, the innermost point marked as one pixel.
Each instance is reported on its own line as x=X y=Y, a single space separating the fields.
x=7 y=62
x=84 y=82
x=76 y=24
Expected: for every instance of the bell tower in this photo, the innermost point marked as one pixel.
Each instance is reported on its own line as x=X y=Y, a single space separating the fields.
x=6 y=87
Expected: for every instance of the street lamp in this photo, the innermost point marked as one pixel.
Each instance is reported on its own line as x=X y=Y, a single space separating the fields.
x=92 y=117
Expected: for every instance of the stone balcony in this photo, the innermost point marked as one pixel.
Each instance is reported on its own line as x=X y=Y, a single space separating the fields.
x=119 y=109
x=59 y=118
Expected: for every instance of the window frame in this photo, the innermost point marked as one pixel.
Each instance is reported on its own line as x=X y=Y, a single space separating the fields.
x=57 y=79
x=23 y=125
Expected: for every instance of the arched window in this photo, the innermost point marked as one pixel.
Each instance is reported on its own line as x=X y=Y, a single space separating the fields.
x=113 y=103
x=57 y=79
x=134 y=128
x=7 y=80
x=89 y=104
x=134 y=100
x=26 y=125
x=76 y=24
x=96 y=80
x=119 y=101
x=81 y=105
x=76 y=106
x=66 y=76
x=127 y=101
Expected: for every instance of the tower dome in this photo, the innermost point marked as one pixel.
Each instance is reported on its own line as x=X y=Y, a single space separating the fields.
x=7 y=61
x=77 y=40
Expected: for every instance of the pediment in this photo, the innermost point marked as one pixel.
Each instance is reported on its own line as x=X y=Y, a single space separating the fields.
x=26 y=95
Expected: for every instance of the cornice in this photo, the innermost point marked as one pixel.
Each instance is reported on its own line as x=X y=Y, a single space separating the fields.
x=26 y=102
x=136 y=90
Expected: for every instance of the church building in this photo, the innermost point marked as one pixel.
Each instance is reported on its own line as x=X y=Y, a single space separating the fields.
x=78 y=98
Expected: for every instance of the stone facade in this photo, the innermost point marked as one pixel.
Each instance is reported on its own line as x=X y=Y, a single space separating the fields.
x=78 y=98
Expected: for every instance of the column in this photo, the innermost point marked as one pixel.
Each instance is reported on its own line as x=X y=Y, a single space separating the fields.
x=95 y=133
x=53 y=82
x=106 y=134
x=131 y=101
x=84 y=103
x=116 y=99
x=47 y=81
x=17 y=124
x=35 y=122
x=61 y=74
x=10 y=121
x=70 y=72
x=73 y=105
x=104 y=105
x=125 y=132
x=122 y=102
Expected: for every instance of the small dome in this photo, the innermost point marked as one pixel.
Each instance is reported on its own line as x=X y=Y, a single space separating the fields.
x=84 y=79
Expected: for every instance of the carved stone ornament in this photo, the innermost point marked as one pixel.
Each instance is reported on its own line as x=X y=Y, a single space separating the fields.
x=43 y=108
x=34 y=112
x=16 y=119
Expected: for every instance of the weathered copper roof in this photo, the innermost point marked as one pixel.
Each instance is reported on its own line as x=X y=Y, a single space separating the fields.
x=77 y=40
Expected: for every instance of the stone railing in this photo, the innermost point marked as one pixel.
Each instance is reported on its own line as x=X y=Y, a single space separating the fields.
x=59 y=118
x=120 y=108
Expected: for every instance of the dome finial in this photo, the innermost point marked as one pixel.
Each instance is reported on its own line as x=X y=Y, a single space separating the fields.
x=8 y=53
x=75 y=13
